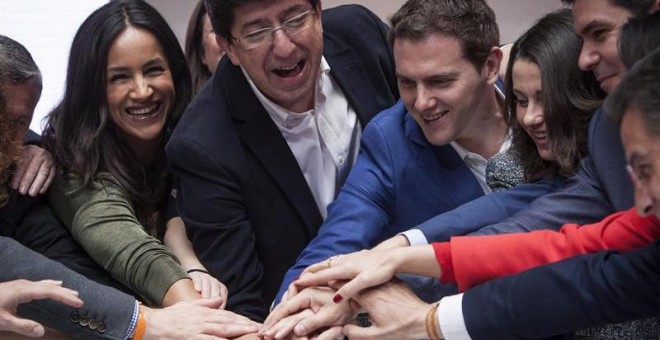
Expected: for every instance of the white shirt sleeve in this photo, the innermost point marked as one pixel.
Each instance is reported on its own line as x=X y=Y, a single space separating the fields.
x=450 y=318
x=415 y=237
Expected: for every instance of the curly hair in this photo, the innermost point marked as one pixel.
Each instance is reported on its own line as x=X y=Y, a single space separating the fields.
x=80 y=134
x=10 y=152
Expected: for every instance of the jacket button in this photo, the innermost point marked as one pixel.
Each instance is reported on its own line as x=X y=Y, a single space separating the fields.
x=93 y=324
x=84 y=321
x=101 y=327
x=74 y=317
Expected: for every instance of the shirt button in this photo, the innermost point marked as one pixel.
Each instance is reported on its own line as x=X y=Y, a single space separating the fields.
x=84 y=321
x=341 y=159
x=74 y=317
x=101 y=327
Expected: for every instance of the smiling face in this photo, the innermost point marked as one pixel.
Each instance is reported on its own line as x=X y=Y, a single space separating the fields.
x=286 y=69
x=440 y=88
x=139 y=88
x=526 y=78
x=643 y=155
x=598 y=23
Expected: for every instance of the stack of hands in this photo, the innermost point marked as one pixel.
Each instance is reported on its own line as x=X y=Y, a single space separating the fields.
x=330 y=299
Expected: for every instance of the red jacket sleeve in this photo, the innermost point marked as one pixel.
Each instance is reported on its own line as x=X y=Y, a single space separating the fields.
x=476 y=259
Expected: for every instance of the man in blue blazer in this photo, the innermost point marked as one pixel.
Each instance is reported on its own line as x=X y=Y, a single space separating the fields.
x=600 y=186
x=427 y=154
x=265 y=145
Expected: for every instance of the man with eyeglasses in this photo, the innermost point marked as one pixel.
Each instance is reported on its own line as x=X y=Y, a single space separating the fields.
x=266 y=144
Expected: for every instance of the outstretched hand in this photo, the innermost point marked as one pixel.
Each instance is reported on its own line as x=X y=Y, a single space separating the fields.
x=14 y=293
x=199 y=319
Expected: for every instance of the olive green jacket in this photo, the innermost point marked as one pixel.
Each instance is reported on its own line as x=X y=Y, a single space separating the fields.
x=103 y=221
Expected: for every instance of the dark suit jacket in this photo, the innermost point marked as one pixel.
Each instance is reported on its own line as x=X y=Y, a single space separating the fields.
x=573 y=294
x=245 y=202
x=110 y=309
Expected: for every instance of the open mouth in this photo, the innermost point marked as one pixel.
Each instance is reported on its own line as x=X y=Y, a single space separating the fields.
x=143 y=112
x=540 y=135
x=434 y=117
x=291 y=71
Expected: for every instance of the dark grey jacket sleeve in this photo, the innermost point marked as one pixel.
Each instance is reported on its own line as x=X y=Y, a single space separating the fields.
x=554 y=299
x=106 y=313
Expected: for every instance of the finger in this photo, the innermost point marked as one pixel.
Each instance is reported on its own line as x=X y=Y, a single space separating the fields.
x=322 y=277
x=216 y=288
x=332 y=333
x=285 y=326
x=64 y=295
x=197 y=282
x=324 y=318
x=295 y=304
x=210 y=303
x=361 y=282
x=31 y=172
x=23 y=326
x=228 y=330
x=354 y=332
x=49 y=180
x=291 y=292
x=39 y=180
x=224 y=296
x=206 y=287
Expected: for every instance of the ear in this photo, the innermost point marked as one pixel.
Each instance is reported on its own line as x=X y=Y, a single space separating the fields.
x=229 y=49
x=491 y=68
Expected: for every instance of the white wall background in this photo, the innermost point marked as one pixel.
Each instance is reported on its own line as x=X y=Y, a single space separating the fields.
x=46 y=28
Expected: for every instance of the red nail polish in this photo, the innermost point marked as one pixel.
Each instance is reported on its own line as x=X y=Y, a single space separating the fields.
x=337 y=298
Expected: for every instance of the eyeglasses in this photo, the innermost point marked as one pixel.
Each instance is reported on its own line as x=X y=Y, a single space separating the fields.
x=264 y=36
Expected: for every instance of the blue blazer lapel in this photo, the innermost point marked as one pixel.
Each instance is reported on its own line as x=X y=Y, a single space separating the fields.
x=444 y=166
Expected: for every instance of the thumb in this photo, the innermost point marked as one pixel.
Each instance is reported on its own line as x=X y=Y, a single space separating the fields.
x=24 y=326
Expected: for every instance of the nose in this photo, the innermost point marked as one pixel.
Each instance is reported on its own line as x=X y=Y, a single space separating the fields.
x=141 y=88
x=644 y=201
x=282 y=44
x=424 y=100
x=588 y=57
x=533 y=115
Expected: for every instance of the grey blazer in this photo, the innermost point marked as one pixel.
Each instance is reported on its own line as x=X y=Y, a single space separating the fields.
x=106 y=313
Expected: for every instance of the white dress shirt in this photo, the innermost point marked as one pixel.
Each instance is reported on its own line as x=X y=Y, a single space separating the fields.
x=325 y=140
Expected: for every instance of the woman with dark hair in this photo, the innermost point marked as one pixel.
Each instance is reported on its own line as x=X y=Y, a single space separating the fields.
x=202 y=51
x=127 y=84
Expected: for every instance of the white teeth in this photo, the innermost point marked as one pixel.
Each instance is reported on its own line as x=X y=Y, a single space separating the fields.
x=289 y=68
x=540 y=135
x=434 y=117
x=143 y=111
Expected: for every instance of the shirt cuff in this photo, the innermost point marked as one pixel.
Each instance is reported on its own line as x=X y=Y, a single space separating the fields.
x=134 y=319
x=415 y=237
x=450 y=318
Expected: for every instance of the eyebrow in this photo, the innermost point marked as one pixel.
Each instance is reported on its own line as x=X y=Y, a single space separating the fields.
x=152 y=62
x=442 y=77
x=592 y=26
x=284 y=14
